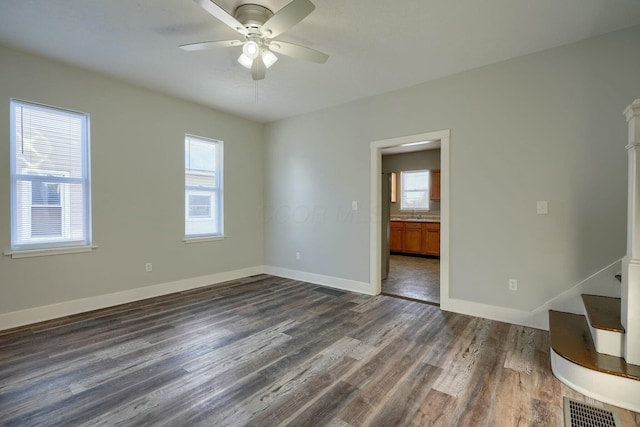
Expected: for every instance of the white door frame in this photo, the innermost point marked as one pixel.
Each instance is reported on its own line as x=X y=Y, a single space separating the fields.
x=375 y=242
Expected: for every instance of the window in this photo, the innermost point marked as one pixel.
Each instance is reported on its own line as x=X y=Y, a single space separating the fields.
x=46 y=209
x=203 y=187
x=199 y=206
x=415 y=190
x=50 y=186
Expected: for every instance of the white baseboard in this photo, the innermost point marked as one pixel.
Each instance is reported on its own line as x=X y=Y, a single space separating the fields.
x=603 y=282
x=493 y=312
x=67 y=308
x=319 y=279
x=599 y=283
x=501 y=314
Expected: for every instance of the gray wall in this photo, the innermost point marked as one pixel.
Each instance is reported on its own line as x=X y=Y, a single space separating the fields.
x=546 y=126
x=417 y=160
x=137 y=162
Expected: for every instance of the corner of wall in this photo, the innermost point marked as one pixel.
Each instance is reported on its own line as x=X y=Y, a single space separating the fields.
x=320 y=279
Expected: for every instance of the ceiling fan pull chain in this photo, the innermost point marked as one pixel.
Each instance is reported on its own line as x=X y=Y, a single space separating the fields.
x=256 y=91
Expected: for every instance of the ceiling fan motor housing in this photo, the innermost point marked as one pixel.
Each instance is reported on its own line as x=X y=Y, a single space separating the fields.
x=252 y=16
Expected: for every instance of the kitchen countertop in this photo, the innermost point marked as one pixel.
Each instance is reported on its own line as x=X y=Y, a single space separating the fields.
x=426 y=218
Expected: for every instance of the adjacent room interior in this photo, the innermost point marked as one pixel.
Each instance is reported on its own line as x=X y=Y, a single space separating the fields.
x=196 y=212
x=411 y=221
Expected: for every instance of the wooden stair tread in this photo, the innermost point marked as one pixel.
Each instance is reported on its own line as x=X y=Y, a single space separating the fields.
x=570 y=338
x=603 y=312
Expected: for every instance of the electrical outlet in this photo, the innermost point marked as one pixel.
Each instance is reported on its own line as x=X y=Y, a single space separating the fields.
x=297 y=255
x=354 y=205
x=149 y=267
x=513 y=285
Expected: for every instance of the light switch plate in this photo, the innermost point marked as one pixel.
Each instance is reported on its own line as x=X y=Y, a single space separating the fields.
x=543 y=207
x=354 y=205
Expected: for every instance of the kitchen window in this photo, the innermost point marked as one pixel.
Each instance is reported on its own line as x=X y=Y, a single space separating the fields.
x=414 y=188
x=50 y=186
x=203 y=187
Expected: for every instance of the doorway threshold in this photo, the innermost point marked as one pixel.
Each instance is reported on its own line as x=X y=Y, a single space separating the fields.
x=435 y=304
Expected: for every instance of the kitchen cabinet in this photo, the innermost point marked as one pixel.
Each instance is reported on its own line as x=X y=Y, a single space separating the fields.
x=415 y=237
x=396 y=234
x=434 y=188
x=412 y=237
x=431 y=238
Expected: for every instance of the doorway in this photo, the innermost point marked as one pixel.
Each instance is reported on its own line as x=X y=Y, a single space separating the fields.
x=410 y=224
x=410 y=269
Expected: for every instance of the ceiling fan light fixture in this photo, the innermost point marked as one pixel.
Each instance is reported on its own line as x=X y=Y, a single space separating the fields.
x=268 y=58
x=258 y=25
x=251 y=49
x=245 y=61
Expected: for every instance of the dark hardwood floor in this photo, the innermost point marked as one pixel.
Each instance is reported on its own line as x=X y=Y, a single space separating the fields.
x=266 y=351
x=414 y=278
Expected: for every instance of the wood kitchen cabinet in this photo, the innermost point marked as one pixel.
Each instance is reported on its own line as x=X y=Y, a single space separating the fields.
x=413 y=237
x=434 y=188
x=396 y=236
x=413 y=240
x=431 y=232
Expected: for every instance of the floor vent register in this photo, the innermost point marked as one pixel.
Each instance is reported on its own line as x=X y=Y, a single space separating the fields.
x=580 y=414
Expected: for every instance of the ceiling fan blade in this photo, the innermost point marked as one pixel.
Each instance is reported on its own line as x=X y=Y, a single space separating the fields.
x=287 y=17
x=222 y=15
x=258 y=69
x=299 y=52
x=208 y=45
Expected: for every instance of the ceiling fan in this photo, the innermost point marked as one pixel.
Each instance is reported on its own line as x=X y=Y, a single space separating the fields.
x=259 y=26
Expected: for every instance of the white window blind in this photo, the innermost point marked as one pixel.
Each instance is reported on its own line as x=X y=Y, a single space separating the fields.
x=203 y=187
x=50 y=187
x=415 y=190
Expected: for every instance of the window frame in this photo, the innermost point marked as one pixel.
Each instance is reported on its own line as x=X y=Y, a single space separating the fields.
x=215 y=192
x=19 y=241
x=403 y=191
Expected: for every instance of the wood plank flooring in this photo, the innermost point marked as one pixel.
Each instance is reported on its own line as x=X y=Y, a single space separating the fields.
x=413 y=277
x=267 y=351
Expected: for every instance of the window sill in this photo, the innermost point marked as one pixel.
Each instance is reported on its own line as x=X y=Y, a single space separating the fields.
x=203 y=239
x=47 y=252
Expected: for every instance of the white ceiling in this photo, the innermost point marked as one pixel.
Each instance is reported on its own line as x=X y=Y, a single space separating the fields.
x=371 y=44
